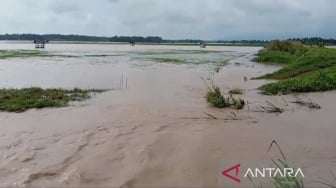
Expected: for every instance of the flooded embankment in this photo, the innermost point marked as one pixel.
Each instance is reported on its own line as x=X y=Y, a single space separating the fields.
x=152 y=129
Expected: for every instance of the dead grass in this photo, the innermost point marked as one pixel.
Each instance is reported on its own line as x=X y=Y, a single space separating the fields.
x=310 y=103
x=270 y=108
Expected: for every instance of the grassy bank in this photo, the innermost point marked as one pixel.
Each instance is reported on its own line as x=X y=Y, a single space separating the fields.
x=19 y=100
x=305 y=69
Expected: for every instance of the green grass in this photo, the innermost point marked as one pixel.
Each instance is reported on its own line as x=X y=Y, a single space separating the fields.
x=274 y=57
x=4 y=54
x=19 y=100
x=317 y=81
x=215 y=98
x=312 y=69
x=292 y=47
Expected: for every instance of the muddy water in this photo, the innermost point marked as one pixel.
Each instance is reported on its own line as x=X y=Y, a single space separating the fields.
x=152 y=129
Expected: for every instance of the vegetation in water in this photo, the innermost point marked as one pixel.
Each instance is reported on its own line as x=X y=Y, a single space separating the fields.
x=214 y=97
x=21 y=53
x=282 y=163
x=236 y=91
x=174 y=60
x=287 y=181
x=305 y=69
x=173 y=52
x=310 y=103
x=270 y=108
x=169 y=60
x=19 y=100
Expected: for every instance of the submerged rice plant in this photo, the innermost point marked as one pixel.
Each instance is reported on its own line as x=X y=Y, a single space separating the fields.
x=236 y=91
x=310 y=103
x=330 y=185
x=270 y=108
x=215 y=97
x=281 y=163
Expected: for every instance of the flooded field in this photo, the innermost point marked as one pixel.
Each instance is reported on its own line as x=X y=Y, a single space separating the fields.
x=152 y=128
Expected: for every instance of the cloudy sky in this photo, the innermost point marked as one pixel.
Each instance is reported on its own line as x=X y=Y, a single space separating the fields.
x=172 y=19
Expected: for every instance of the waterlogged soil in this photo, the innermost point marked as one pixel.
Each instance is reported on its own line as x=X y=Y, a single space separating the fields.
x=153 y=129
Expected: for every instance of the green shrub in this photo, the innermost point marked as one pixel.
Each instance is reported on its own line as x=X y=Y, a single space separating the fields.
x=215 y=97
x=292 y=47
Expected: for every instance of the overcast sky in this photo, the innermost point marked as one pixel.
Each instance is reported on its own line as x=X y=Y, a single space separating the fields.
x=172 y=19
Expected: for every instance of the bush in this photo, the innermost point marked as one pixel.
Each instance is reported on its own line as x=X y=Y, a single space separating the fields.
x=216 y=98
x=292 y=47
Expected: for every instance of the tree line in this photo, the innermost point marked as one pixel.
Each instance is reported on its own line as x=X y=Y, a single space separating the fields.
x=150 y=39
x=59 y=37
x=53 y=37
x=315 y=41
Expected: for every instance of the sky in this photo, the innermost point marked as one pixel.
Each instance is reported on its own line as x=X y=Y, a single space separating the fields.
x=172 y=19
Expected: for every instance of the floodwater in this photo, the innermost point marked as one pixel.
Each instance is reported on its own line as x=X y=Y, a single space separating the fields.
x=152 y=129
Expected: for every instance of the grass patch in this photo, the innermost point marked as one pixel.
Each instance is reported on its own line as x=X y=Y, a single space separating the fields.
x=190 y=61
x=274 y=57
x=221 y=62
x=102 y=55
x=318 y=81
x=172 y=52
x=292 y=47
x=4 y=54
x=214 y=97
x=169 y=60
x=305 y=69
x=20 y=100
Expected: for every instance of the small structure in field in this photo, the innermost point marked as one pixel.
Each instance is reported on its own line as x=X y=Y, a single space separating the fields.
x=40 y=43
x=203 y=44
x=132 y=43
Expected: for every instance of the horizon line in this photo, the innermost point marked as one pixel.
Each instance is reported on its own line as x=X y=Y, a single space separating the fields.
x=105 y=36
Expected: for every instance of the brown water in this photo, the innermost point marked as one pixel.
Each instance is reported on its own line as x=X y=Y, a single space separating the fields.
x=153 y=131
